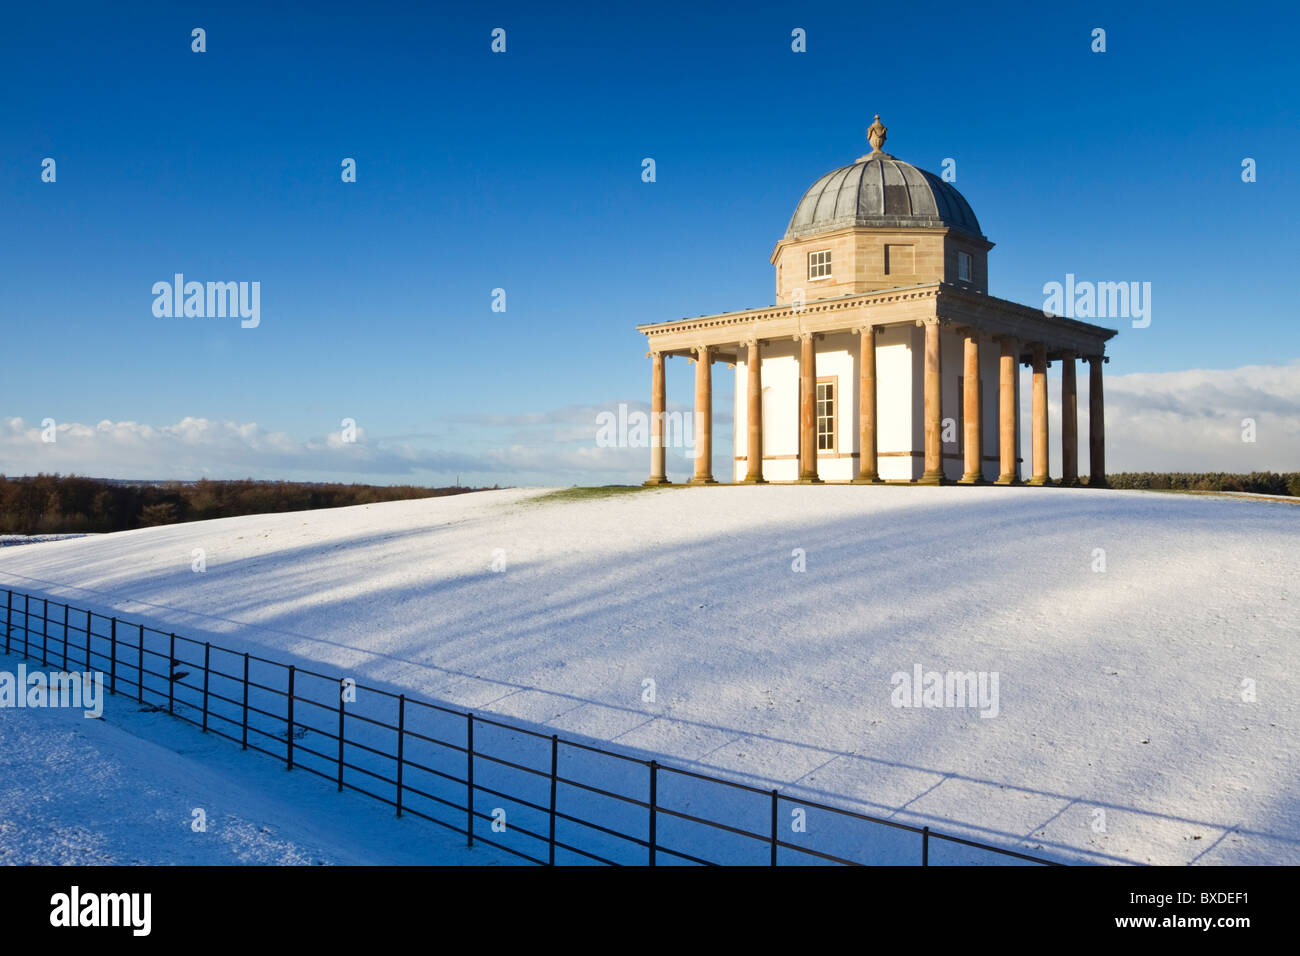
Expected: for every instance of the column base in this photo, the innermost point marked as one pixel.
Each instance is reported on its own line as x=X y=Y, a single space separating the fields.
x=871 y=478
x=652 y=482
x=747 y=480
x=1007 y=480
x=703 y=481
x=1037 y=482
x=1098 y=483
x=971 y=479
x=931 y=478
x=1070 y=483
x=809 y=480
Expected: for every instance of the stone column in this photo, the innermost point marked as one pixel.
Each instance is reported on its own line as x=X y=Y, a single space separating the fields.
x=754 y=417
x=703 y=416
x=807 y=408
x=1041 y=475
x=933 y=474
x=1069 y=422
x=867 y=461
x=973 y=439
x=1009 y=474
x=658 y=396
x=1096 y=425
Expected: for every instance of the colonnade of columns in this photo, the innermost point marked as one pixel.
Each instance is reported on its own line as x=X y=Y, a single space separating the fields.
x=867 y=413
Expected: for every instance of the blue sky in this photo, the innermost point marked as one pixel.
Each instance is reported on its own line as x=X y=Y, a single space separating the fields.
x=522 y=171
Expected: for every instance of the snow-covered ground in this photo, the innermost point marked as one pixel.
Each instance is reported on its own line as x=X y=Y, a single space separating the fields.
x=125 y=788
x=1126 y=630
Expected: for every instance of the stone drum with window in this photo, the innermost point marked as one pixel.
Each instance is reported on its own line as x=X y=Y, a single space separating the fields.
x=884 y=357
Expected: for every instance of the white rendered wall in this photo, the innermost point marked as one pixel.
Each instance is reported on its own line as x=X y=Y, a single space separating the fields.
x=740 y=427
x=898 y=412
x=780 y=378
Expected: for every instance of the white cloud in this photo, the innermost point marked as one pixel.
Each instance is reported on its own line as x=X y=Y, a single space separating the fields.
x=1187 y=421
x=1192 y=420
x=199 y=447
x=1167 y=421
x=556 y=447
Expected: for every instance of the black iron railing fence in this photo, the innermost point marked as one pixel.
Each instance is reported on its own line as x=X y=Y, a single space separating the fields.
x=548 y=800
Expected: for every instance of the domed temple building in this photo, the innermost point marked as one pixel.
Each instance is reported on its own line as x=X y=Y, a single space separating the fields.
x=884 y=357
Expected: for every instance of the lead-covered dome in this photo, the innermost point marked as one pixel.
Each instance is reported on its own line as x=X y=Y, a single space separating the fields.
x=879 y=190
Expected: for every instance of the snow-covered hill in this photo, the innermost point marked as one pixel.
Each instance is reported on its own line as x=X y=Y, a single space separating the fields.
x=1125 y=629
x=144 y=788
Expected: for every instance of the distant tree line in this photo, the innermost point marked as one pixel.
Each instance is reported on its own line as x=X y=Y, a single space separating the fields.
x=54 y=504
x=1258 y=482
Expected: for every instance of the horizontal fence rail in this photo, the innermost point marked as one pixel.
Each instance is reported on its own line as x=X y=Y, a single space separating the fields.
x=537 y=796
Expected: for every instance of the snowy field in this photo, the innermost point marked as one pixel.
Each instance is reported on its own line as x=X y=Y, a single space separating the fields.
x=124 y=789
x=1120 y=690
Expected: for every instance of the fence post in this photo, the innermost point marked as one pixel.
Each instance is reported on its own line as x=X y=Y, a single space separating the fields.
x=401 y=741
x=65 y=639
x=89 y=627
x=289 y=723
x=171 y=676
x=654 y=801
x=27 y=620
x=925 y=846
x=9 y=617
x=469 y=779
x=139 y=697
x=243 y=744
x=112 y=657
x=207 y=657
x=555 y=761
x=45 y=628
x=775 y=799
x=340 y=736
